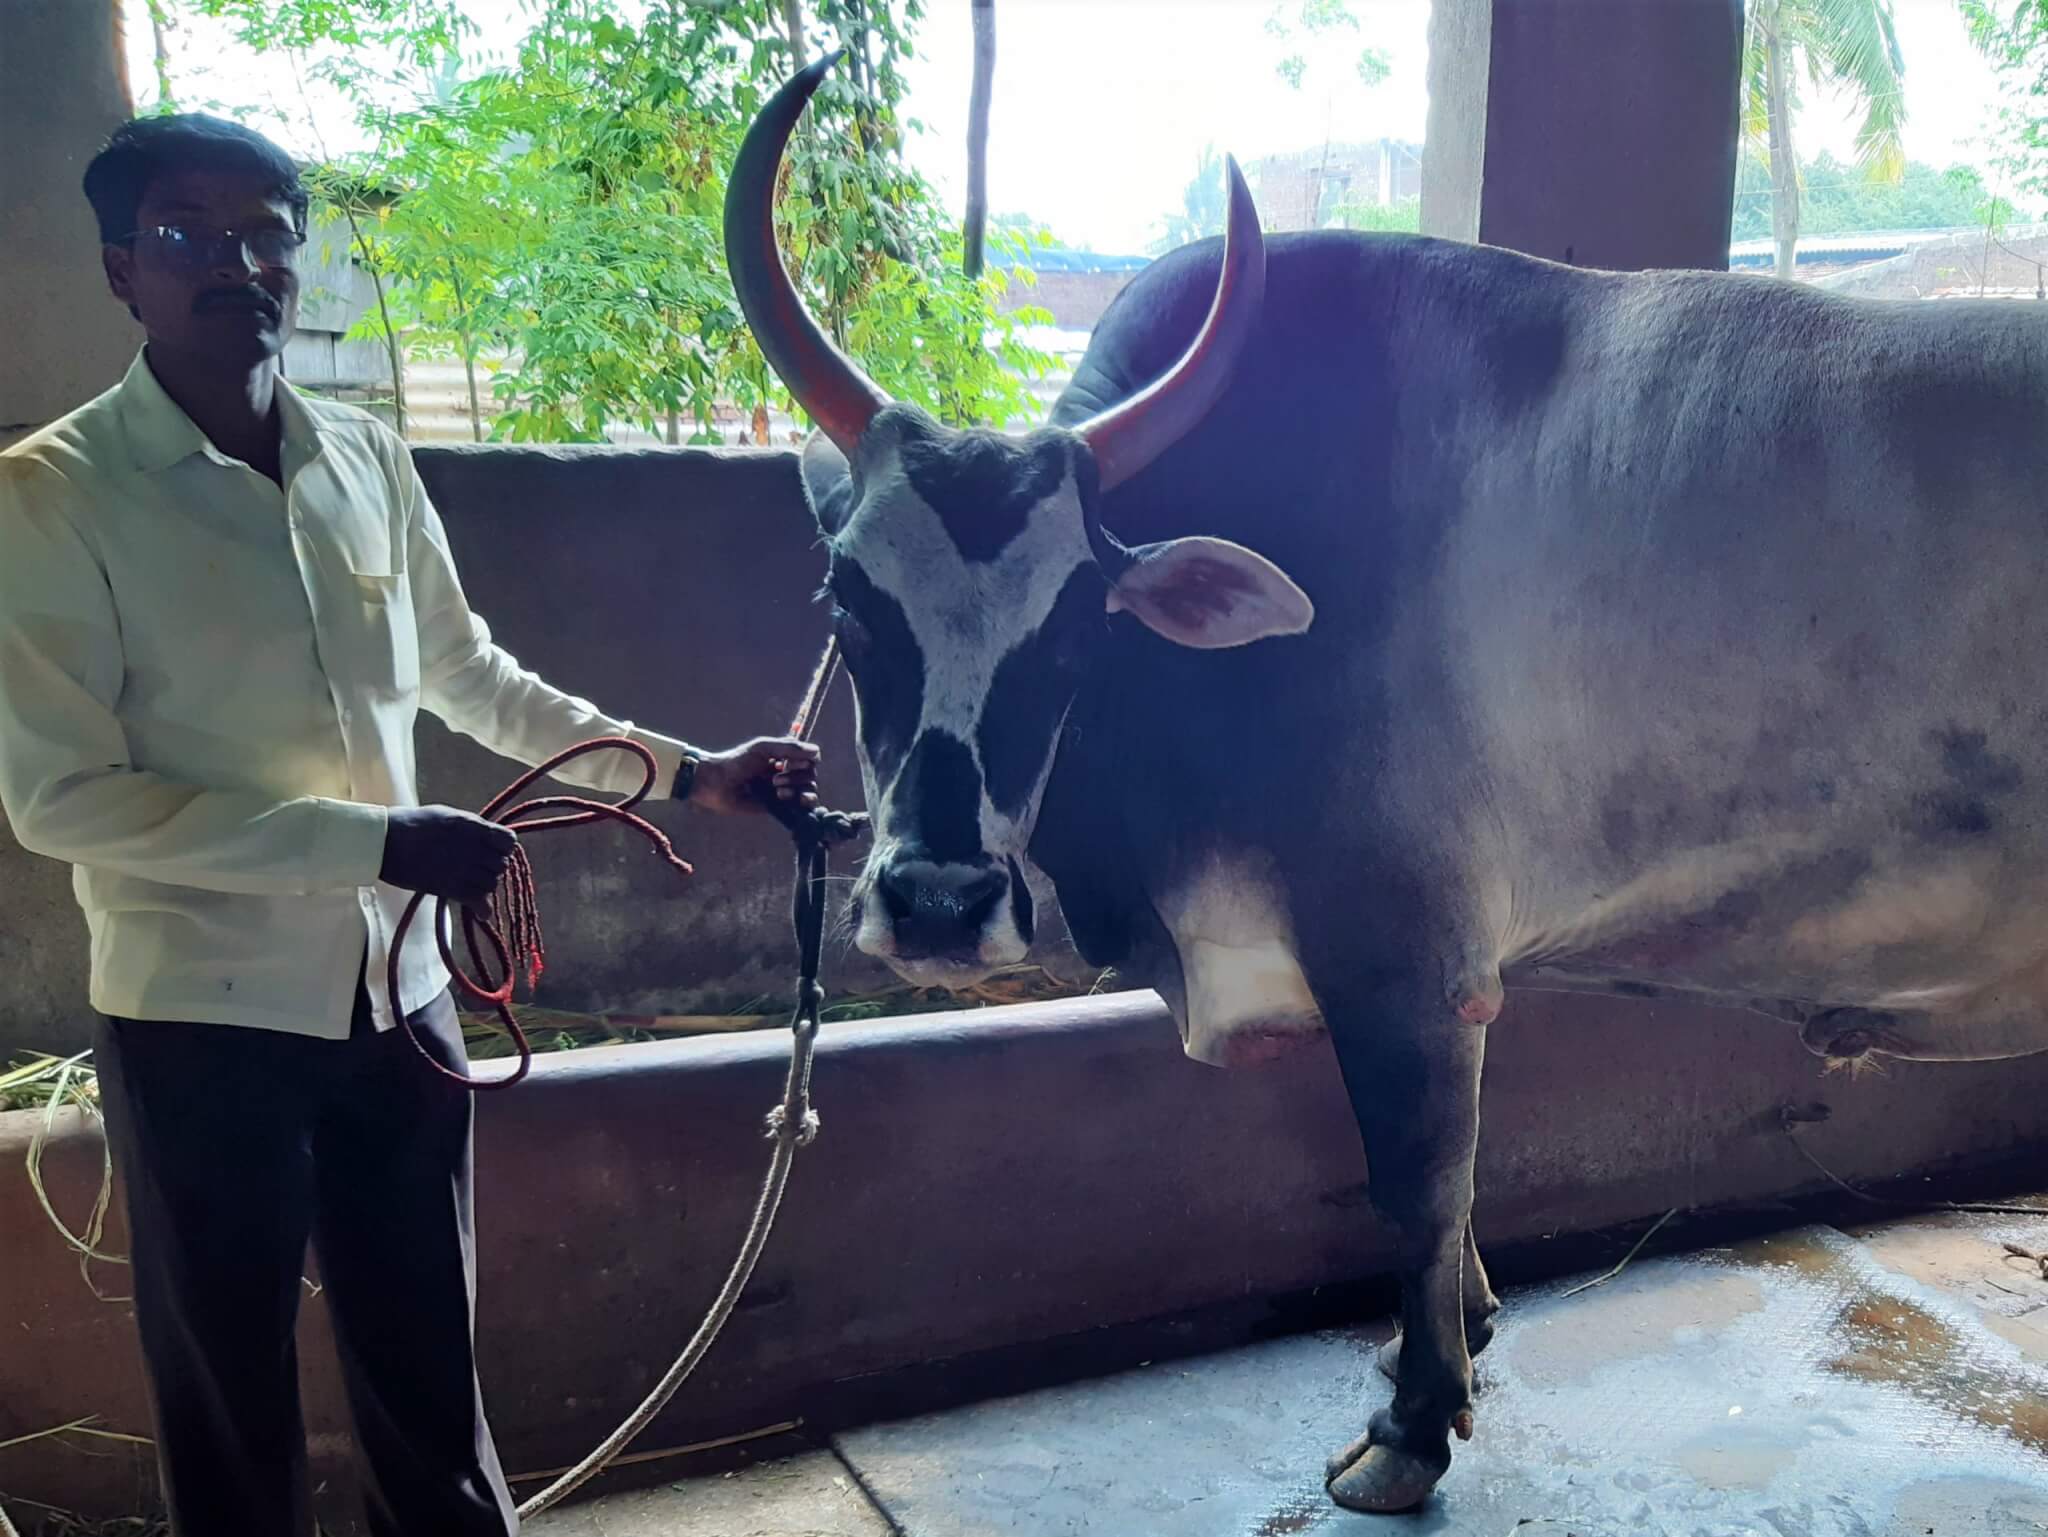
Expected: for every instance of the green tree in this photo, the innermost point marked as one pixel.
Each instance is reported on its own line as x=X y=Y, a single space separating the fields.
x=1849 y=45
x=1309 y=27
x=1403 y=215
x=561 y=215
x=2013 y=35
x=1838 y=198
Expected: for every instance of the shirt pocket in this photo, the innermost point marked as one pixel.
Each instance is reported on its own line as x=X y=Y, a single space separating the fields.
x=384 y=637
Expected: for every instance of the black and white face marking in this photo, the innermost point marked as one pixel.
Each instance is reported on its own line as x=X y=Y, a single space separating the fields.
x=967 y=599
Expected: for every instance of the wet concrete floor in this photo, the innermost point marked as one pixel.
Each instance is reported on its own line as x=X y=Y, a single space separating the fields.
x=1881 y=1381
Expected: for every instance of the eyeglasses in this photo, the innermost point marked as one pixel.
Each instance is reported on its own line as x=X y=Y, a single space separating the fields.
x=192 y=249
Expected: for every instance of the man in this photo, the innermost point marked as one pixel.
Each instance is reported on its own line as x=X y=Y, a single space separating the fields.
x=221 y=605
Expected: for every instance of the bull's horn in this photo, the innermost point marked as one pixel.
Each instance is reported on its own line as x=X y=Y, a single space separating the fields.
x=839 y=397
x=1131 y=434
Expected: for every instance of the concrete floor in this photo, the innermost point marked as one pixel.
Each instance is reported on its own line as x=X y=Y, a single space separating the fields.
x=1881 y=1381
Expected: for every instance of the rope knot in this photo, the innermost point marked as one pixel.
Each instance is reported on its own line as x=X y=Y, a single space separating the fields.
x=806 y=1128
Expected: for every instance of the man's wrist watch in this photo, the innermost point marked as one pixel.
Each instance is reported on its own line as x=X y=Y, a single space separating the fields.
x=686 y=776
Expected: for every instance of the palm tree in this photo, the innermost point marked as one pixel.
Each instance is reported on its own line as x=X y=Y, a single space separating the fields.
x=1849 y=45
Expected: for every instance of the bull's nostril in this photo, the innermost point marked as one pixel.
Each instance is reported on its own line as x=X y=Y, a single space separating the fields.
x=978 y=898
x=898 y=894
x=939 y=909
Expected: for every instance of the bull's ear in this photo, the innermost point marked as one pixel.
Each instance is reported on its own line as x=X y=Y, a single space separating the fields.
x=1209 y=593
x=828 y=483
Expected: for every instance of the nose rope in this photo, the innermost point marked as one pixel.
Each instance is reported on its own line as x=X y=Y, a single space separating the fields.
x=508 y=925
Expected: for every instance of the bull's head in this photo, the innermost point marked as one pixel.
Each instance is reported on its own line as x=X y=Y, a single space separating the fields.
x=971 y=579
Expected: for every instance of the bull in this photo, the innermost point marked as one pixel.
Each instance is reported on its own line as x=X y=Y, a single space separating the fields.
x=1659 y=634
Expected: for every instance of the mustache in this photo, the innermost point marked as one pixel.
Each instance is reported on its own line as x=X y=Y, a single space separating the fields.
x=246 y=297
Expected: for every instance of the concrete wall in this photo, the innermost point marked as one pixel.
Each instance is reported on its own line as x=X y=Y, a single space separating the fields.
x=2014 y=267
x=1596 y=132
x=672 y=586
x=61 y=94
x=984 y=1180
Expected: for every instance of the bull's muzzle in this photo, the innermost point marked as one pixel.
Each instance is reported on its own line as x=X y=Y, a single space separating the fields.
x=940 y=912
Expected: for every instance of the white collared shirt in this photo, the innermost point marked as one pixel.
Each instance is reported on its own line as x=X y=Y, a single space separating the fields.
x=208 y=688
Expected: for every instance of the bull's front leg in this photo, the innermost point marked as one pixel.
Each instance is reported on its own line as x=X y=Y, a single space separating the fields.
x=1411 y=1067
x=1480 y=1306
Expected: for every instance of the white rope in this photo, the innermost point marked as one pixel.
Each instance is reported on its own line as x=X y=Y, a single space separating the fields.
x=792 y=1124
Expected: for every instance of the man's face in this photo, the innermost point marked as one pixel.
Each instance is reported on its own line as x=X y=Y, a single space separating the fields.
x=203 y=295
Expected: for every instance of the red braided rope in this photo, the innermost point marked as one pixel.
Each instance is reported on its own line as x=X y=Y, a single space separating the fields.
x=509 y=921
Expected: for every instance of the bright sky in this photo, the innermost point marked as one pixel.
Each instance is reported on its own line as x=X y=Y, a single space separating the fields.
x=1103 y=106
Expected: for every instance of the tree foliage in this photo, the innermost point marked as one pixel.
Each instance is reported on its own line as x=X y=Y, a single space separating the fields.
x=2013 y=35
x=1403 y=215
x=1308 y=28
x=557 y=221
x=1838 y=198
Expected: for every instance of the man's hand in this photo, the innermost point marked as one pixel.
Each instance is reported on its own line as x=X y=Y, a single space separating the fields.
x=746 y=778
x=445 y=852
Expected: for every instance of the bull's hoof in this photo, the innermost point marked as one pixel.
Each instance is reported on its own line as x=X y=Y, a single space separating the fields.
x=1382 y=1480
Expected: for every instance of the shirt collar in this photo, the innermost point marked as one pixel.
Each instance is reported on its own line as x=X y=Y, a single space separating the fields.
x=301 y=427
x=159 y=431
x=160 y=434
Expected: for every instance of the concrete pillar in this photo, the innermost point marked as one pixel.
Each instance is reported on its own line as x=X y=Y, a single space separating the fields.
x=1596 y=132
x=61 y=94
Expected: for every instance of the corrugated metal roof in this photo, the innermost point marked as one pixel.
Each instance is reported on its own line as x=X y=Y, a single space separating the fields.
x=1855 y=246
x=1060 y=259
x=1871 y=245
x=1889 y=240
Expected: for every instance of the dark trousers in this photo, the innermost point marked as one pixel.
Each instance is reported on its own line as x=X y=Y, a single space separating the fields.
x=234 y=1146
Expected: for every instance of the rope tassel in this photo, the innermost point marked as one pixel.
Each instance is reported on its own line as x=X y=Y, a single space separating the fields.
x=515 y=908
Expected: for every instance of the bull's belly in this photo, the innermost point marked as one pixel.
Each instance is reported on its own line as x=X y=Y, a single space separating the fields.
x=1945 y=957
x=1938 y=957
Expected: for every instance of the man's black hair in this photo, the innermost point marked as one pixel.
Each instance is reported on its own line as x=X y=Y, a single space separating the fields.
x=149 y=147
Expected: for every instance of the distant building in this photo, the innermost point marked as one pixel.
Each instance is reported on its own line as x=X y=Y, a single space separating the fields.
x=334 y=293
x=1076 y=286
x=1300 y=190
x=1304 y=189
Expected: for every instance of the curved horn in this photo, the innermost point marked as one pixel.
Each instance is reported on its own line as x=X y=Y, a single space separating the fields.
x=839 y=397
x=1132 y=433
